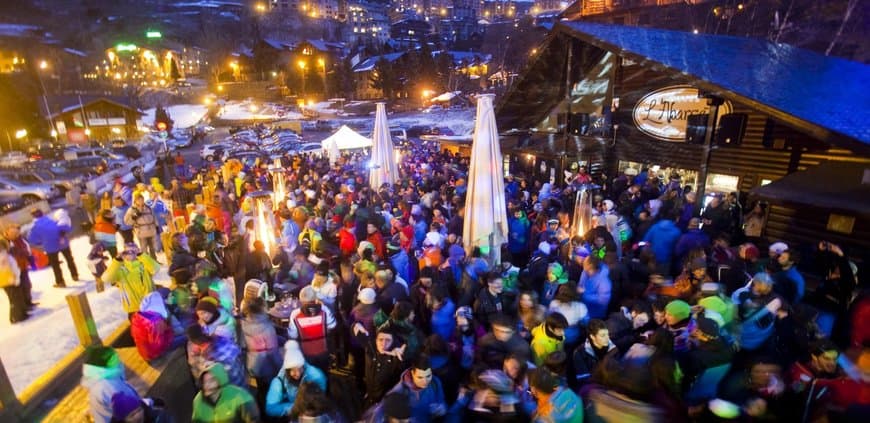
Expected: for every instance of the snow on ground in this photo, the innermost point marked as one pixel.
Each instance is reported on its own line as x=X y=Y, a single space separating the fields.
x=183 y=115
x=461 y=122
x=246 y=110
x=31 y=348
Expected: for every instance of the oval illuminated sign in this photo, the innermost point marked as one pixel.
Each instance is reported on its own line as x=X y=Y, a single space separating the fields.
x=663 y=114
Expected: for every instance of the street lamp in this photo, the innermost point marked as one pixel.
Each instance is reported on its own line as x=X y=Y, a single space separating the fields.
x=43 y=65
x=260 y=7
x=21 y=133
x=301 y=64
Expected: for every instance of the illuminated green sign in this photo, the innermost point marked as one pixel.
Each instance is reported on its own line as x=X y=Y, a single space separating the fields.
x=153 y=34
x=126 y=47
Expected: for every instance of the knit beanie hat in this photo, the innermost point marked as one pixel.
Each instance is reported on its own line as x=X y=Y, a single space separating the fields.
x=717 y=305
x=100 y=356
x=293 y=357
x=208 y=304
x=545 y=247
x=679 y=309
x=254 y=288
x=123 y=404
x=707 y=326
x=367 y=296
x=558 y=273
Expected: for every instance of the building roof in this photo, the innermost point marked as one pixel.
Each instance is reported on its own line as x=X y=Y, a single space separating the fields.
x=278 y=44
x=59 y=104
x=370 y=63
x=825 y=96
x=325 y=46
x=830 y=185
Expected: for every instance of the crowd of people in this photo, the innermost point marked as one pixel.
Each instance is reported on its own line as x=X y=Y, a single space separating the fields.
x=361 y=304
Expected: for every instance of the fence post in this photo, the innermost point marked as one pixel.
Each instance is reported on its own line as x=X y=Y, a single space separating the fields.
x=86 y=327
x=8 y=398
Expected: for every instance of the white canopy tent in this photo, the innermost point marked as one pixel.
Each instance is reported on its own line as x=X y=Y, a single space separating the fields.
x=346 y=139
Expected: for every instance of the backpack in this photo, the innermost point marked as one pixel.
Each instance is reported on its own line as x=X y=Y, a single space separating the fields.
x=8 y=276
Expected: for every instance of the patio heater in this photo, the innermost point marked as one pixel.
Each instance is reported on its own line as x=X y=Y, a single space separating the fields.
x=264 y=219
x=279 y=187
x=582 y=221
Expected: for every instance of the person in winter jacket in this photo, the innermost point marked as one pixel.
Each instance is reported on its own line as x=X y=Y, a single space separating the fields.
x=556 y=403
x=203 y=349
x=10 y=281
x=758 y=308
x=400 y=261
x=548 y=337
x=285 y=386
x=490 y=301
x=442 y=309
x=556 y=276
x=140 y=217
x=220 y=401
x=384 y=363
x=52 y=237
x=519 y=229
x=663 y=236
x=595 y=287
x=568 y=304
x=693 y=239
x=182 y=258
x=215 y=320
x=708 y=349
x=425 y=394
x=153 y=329
x=262 y=357
x=678 y=315
x=501 y=342
x=588 y=355
x=134 y=276
x=105 y=231
x=129 y=408
x=401 y=323
x=119 y=210
x=103 y=377
x=325 y=285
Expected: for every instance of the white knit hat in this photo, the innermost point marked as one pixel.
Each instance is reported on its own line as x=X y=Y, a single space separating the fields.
x=545 y=247
x=293 y=357
x=366 y=296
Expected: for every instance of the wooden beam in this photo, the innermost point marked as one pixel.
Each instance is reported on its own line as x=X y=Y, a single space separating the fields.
x=83 y=319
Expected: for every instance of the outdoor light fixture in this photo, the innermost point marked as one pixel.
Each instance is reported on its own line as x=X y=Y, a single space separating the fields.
x=153 y=34
x=261 y=203
x=21 y=133
x=126 y=47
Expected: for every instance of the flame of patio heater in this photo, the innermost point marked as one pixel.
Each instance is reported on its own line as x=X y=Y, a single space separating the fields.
x=582 y=221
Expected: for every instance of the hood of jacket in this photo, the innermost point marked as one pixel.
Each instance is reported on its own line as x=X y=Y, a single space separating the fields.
x=218 y=371
x=567 y=406
x=92 y=374
x=153 y=302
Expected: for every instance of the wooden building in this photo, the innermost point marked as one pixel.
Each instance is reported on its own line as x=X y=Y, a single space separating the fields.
x=79 y=119
x=614 y=97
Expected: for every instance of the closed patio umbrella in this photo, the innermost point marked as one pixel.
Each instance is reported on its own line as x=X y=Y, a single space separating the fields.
x=485 y=224
x=384 y=168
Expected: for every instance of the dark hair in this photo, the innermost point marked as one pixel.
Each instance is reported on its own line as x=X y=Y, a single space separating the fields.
x=254 y=306
x=822 y=345
x=556 y=362
x=543 y=380
x=593 y=261
x=438 y=292
x=435 y=345
x=196 y=335
x=596 y=325
x=401 y=311
x=556 y=320
x=421 y=362
x=502 y=320
x=566 y=293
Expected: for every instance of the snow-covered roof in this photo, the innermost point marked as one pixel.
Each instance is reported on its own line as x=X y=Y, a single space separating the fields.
x=470 y=56
x=446 y=96
x=75 y=52
x=278 y=44
x=16 y=30
x=209 y=3
x=370 y=63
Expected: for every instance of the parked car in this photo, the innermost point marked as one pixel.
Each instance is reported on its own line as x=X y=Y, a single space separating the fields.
x=210 y=152
x=13 y=159
x=30 y=193
x=11 y=204
x=35 y=176
x=129 y=151
x=309 y=147
x=112 y=160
